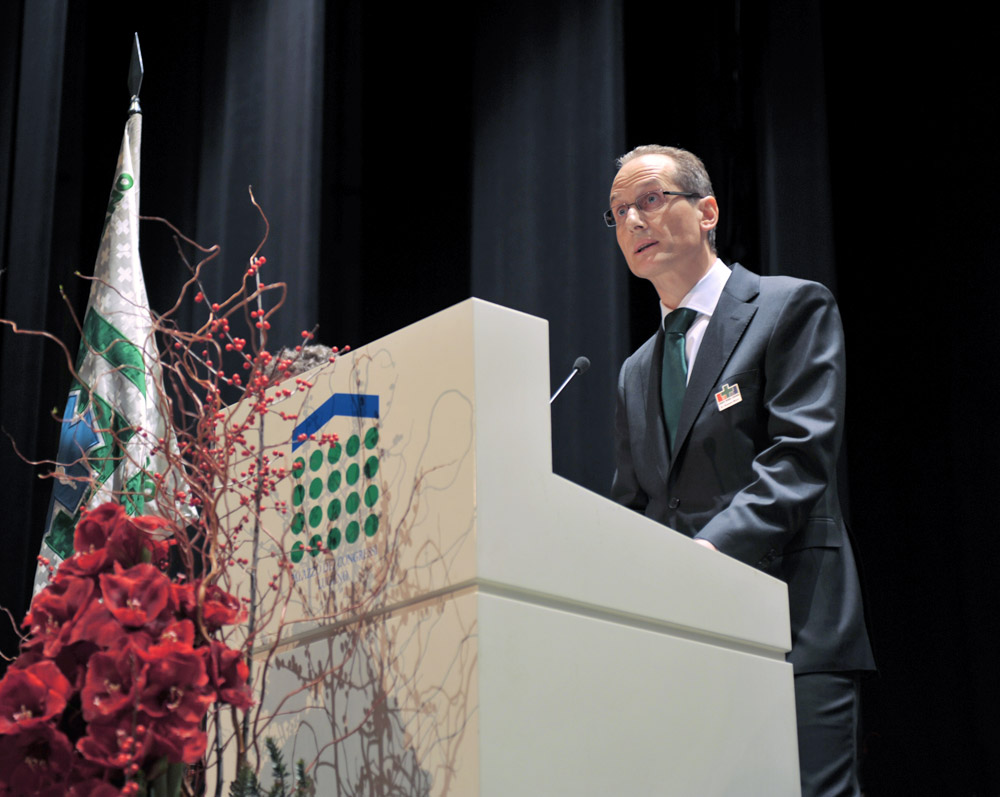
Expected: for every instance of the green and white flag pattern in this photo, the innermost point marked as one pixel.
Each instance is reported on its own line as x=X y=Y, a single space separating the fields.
x=115 y=411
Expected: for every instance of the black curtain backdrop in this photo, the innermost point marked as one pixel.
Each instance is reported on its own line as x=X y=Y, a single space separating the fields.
x=542 y=108
x=409 y=159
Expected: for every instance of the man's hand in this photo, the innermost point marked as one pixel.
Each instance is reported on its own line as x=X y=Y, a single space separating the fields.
x=706 y=544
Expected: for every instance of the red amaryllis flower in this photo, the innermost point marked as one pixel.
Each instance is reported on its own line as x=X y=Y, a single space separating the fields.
x=139 y=539
x=183 y=598
x=71 y=661
x=84 y=770
x=92 y=787
x=117 y=742
x=176 y=685
x=178 y=635
x=137 y=596
x=179 y=742
x=97 y=625
x=228 y=674
x=28 y=657
x=85 y=566
x=93 y=530
x=112 y=684
x=32 y=696
x=34 y=760
x=220 y=608
x=54 y=612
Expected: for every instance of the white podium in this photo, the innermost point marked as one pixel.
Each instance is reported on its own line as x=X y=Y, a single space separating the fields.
x=465 y=622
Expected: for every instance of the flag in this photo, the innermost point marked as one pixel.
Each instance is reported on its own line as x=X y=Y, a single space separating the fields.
x=116 y=411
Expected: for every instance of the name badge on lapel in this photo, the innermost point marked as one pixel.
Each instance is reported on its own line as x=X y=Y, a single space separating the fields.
x=728 y=396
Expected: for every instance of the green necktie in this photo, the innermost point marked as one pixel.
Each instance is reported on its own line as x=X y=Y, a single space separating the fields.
x=675 y=367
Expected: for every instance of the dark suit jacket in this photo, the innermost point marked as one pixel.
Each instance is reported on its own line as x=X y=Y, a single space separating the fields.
x=758 y=479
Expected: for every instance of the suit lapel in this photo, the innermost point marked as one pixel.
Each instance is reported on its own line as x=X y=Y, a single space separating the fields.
x=654 y=408
x=729 y=321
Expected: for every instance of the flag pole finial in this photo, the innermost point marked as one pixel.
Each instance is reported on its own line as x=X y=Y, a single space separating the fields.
x=135 y=77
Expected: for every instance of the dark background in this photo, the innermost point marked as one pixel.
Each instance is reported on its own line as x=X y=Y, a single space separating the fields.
x=409 y=159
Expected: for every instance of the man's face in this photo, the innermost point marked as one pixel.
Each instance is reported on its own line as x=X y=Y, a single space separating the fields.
x=672 y=238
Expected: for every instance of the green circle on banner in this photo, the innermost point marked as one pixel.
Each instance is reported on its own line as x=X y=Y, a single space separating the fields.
x=371 y=496
x=298 y=467
x=125 y=181
x=371 y=466
x=314 y=545
x=334 y=453
x=333 y=483
x=333 y=539
x=298 y=495
x=315 y=460
x=333 y=510
x=298 y=522
x=353 y=530
x=315 y=516
x=371 y=438
x=352 y=503
x=297 y=552
x=371 y=525
x=315 y=488
x=353 y=472
x=353 y=444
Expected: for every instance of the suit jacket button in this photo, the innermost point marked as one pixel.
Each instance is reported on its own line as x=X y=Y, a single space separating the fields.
x=674 y=503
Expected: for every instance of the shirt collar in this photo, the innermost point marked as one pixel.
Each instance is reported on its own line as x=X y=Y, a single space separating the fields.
x=704 y=296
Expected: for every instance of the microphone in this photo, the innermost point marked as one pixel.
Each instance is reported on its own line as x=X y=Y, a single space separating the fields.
x=579 y=366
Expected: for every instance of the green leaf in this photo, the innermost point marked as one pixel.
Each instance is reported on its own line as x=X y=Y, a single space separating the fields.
x=278 y=768
x=175 y=779
x=158 y=770
x=303 y=783
x=245 y=784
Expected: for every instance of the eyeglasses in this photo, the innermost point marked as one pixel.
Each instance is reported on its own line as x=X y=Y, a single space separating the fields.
x=653 y=200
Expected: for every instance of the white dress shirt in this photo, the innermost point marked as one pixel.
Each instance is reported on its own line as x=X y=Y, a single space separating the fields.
x=703 y=298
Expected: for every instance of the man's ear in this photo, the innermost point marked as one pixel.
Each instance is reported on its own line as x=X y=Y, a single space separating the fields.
x=709 y=213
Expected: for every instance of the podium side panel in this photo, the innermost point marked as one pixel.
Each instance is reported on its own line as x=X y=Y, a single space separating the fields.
x=386 y=513
x=386 y=707
x=574 y=705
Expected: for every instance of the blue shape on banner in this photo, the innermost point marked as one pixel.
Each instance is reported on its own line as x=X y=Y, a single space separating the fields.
x=353 y=405
x=76 y=440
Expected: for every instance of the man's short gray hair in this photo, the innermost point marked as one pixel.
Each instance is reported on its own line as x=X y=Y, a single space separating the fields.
x=689 y=172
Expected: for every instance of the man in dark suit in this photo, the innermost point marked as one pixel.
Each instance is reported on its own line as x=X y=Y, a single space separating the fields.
x=728 y=429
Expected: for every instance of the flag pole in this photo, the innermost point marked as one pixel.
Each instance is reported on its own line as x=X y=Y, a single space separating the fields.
x=135 y=77
x=114 y=413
